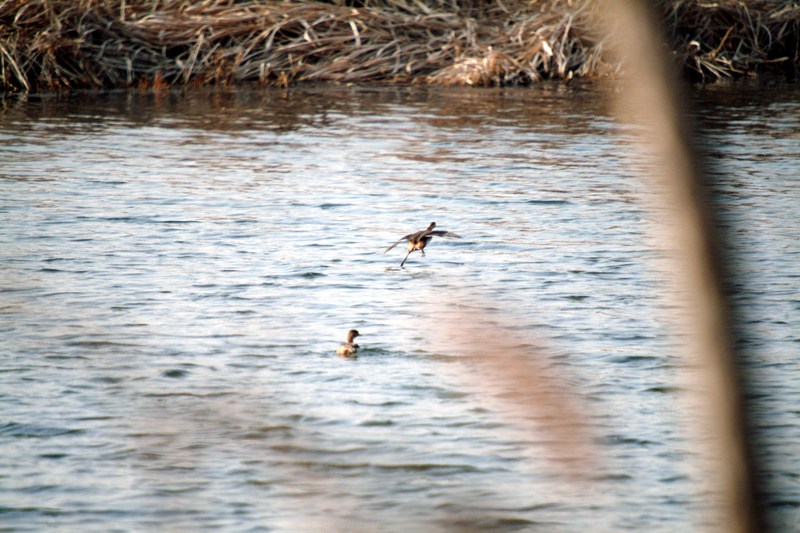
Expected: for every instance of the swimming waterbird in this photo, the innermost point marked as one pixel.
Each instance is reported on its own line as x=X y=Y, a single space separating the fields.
x=419 y=240
x=349 y=349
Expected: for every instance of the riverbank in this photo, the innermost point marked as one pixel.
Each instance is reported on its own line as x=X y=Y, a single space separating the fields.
x=50 y=45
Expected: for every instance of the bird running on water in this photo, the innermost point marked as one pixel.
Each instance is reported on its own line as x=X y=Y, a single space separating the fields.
x=419 y=240
x=349 y=349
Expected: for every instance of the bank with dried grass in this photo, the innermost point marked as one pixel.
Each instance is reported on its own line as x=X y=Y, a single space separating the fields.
x=67 y=44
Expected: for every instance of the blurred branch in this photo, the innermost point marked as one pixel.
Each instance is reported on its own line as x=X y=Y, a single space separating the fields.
x=653 y=96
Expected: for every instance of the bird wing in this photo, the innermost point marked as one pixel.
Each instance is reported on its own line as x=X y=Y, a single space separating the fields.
x=398 y=242
x=441 y=233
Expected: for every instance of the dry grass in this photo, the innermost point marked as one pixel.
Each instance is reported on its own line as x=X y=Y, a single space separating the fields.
x=731 y=38
x=64 y=44
x=52 y=44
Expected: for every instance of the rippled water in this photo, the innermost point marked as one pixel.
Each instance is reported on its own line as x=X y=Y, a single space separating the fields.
x=178 y=270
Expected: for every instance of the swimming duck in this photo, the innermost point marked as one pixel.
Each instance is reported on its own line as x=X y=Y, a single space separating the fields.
x=348 y=349
x=420 y=239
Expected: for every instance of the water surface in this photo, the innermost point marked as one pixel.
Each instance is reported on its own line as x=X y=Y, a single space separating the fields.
x=177 y=270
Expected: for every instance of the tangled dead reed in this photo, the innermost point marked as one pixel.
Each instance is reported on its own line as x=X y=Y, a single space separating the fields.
x=732 y=38
x=64 y=44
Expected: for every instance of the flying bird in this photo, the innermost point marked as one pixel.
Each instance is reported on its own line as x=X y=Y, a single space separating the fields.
x=419 y=240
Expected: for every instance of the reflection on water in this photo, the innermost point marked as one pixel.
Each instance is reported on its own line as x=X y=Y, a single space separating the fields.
x=178 y=269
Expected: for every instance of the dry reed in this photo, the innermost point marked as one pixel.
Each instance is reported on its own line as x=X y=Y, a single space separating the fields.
x=731 y=38
x=516 y=372
x=701 y=271
x=65 y=44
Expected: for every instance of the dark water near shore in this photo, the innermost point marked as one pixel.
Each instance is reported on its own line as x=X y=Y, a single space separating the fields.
x=176 y=271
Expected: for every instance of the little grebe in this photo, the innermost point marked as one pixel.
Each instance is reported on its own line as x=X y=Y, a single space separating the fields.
x=348 y=349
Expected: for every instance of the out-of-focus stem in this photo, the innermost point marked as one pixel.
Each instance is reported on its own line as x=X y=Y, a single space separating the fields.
x=652 y=96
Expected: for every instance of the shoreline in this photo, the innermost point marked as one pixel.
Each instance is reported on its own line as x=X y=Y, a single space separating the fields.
x=54 y=46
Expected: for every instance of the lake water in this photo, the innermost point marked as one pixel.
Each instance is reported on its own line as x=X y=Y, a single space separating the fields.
x=177 y=270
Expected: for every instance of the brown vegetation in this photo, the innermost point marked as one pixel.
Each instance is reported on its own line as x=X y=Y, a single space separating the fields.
x=731 y=38
x=63 y=44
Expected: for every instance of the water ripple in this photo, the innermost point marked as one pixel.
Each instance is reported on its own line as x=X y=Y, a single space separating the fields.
x=179 y=268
